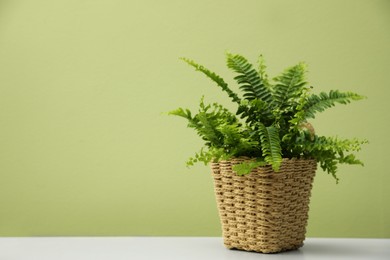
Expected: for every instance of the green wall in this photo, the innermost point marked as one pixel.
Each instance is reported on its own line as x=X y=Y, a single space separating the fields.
x=86 y=150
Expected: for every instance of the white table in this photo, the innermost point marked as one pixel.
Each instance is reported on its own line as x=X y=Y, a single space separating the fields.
x=183 y=248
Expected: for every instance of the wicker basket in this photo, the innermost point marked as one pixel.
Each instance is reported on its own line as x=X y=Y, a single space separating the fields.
x=264 y=211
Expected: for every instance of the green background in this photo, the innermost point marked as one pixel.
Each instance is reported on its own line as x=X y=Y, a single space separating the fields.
x=85 y=148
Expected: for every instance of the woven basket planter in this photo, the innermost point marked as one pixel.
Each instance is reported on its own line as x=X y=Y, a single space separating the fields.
x=264 y=211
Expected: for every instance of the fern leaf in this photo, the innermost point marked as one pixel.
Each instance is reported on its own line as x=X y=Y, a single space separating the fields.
x=202 y=156
x=214 y=77
x=318 y=103
x=248 y=78
x=207 y=129
x=181 y=112
x=270 y=145
x=262 y=70
x=289 y=85
x=247 y=167
x=254 y=111
x=350 y=159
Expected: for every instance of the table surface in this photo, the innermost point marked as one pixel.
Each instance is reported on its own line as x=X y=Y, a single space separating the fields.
x=187 y=248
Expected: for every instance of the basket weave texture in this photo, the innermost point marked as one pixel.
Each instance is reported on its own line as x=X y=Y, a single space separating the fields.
x=264 y=211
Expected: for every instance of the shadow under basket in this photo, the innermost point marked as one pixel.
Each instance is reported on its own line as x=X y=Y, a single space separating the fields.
x=264 y=211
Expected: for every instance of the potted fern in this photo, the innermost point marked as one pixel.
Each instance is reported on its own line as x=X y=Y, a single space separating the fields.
x=264 y=156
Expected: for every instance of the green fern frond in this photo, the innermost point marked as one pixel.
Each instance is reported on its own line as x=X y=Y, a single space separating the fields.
x=318 y=103
x=262 y=70
x=299 y=114
x=232 y=134
x=330 y=165
x=207 y=129
x=270 y=145
x=330 y=151
x=207 y=155
x=350 y=159
x=289 y=85
x=214 y=77
x=207 y=121
x=248 y=79
x=246 y=167
x=201 y=156
x=333 y=144
x=186 y=113
x=254 y=111
x=237 y=140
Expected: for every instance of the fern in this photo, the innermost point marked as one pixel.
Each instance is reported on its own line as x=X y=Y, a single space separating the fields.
x=270 y=145
x=262 y=71
x=214 y=77
x=330 y=151
x=207 y=155
x=254 y=111
x=201 y=156
x=318 y=103
x=248 y=79
x=207 y=121
x=273 y=121
x=289 y=86
x=224 y=136
x=247 y=167
x=236 y=140
x=186 y=113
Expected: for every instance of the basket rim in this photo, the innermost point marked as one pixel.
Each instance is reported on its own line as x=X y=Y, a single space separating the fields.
x=246 y=158
x=287 y=163
x=284 y=158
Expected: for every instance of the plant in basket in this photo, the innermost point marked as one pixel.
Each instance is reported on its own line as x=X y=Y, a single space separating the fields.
x=264 y=156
